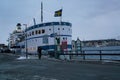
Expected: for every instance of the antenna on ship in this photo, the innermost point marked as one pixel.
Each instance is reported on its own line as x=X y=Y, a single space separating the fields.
x=41 y=12
x=34 y=21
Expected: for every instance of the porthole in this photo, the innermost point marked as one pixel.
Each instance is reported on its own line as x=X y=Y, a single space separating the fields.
x=49 y=29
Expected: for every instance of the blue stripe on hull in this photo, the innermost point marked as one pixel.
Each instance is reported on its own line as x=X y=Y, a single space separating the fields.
x=47 y=36
x=52 y=47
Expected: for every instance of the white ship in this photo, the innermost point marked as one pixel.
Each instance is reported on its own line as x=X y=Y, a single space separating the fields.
x=48 y=35
x=45 y=36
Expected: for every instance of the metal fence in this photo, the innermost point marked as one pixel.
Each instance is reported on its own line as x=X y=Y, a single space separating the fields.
x=94 y=54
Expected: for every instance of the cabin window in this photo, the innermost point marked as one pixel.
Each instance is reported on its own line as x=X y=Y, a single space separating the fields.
x=63 y=28
x=39 y=31
x=49 y=29
x=36 y=32
x=32 y=32
x=64 y=38
x=58 y=28
x=43 y=31
x=45 y=39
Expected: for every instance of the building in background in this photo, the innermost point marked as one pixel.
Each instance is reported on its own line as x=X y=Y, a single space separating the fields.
x=78 y=45
x=100 y=43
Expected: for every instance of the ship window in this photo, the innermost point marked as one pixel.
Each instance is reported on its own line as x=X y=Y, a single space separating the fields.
x=43 y=31
x=32 y=32
x=36 y=32
x=63 y=28
x=45 y=39
x=49 y=29
x=64 y=38
x=39 y=31
x=58 y=28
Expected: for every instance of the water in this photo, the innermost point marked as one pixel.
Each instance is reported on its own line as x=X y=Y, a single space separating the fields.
x=113 y=50
x=102 y=48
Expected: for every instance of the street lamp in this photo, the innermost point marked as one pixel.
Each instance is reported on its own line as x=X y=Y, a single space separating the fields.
x=26 y=40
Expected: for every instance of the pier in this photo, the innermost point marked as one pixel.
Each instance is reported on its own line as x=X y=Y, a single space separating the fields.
x=53 y=69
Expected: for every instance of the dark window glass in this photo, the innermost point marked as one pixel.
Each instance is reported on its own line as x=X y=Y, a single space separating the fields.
x=36 y=32
x=39 y=31
x=43 y=31
x=32 y=32
x=58 y=28
x=45 y=39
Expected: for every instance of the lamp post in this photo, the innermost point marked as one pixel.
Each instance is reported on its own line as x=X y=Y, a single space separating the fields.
x=26 y=40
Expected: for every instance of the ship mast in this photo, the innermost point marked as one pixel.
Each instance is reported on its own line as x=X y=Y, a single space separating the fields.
x=41 y=12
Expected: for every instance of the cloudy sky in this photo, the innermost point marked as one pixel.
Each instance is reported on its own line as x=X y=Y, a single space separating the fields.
x=91 y=19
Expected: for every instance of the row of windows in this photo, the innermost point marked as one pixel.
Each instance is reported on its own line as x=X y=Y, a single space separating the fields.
x=36 y=32
x=40 y=32
x=63 y=29
x=59 y=29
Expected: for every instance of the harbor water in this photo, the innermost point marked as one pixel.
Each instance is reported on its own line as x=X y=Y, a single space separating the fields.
x=104 y=50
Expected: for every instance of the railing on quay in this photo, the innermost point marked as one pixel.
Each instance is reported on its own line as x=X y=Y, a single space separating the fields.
x=100 y=53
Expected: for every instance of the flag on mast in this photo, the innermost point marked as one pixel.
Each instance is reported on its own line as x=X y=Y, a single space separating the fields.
x=58 y=13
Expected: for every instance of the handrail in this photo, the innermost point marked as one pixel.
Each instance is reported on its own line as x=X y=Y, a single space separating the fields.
x=100 y=53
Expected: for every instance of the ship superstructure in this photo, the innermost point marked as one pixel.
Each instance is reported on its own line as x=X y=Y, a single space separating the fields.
x=45 y=36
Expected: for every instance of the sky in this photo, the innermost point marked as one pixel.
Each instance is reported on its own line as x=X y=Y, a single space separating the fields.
x=91 y=19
